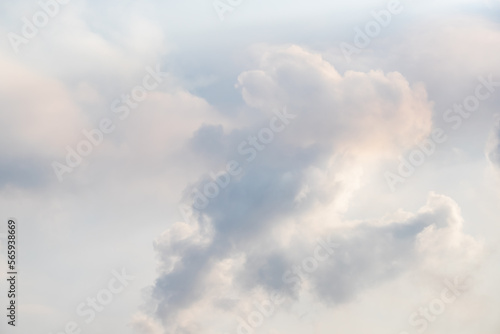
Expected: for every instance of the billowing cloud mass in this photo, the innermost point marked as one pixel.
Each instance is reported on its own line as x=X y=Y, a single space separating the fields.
x=354 y=111
x=245 y=177
x=247 y=240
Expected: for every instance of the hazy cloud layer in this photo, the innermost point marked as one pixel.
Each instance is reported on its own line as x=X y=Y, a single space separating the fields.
x=311 y=135
x=493 y=149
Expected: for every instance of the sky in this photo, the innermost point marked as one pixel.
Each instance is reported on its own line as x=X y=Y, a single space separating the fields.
x=240 y=167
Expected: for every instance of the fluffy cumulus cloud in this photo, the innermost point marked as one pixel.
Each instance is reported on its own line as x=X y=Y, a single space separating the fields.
x=354 y=111
x=333 y=266
x=262 y=230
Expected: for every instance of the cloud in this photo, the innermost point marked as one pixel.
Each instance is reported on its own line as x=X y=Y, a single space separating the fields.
x=198 y=279
x=336 y=109
x=265 y=220
x=143 y=324
x=39 y=115
x=318 y=178
x=430 y=242
x=493 y=147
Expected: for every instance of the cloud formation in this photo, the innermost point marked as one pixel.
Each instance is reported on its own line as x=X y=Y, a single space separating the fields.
x=304 y=136
x=247 y=241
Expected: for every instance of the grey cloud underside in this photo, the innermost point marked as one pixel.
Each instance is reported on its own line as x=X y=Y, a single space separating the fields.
x=28 y=173
x=239 y=216
x=240 y=219
x=368 y=255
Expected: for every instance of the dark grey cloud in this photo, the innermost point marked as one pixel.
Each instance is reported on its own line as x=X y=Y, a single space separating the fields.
x=237 y=220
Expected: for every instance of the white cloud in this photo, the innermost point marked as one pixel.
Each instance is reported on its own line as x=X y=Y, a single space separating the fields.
x=355 y=111
x=265 y=222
